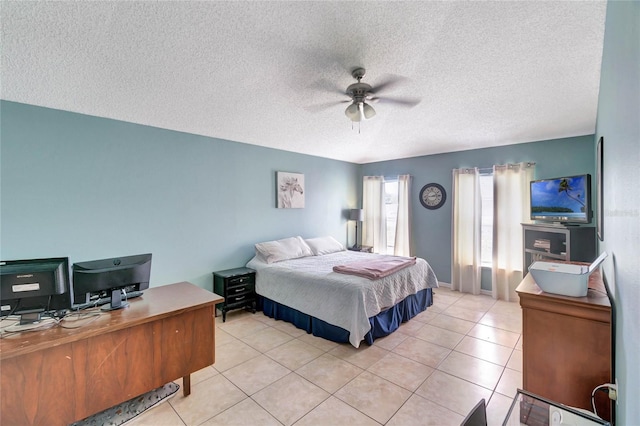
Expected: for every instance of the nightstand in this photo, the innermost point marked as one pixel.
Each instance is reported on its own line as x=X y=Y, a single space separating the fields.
x=238 y=287
x=364 y=249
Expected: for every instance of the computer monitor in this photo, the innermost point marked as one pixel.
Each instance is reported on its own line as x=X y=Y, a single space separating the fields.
x=108 y=277
x=33 y=287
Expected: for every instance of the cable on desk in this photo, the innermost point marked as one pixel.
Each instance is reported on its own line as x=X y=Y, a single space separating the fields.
x=71 y=320
x=81 y=319
x=19 y=328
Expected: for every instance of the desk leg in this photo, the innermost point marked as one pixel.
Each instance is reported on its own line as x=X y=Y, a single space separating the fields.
x=186 y=382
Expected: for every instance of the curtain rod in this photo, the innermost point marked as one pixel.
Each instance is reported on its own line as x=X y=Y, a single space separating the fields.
x=514 y=165
x=395 y=177
x=525 y=164
x=490 y=169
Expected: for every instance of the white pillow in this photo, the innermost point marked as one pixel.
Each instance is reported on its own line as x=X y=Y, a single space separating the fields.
x=279 y=250
x=324 y=245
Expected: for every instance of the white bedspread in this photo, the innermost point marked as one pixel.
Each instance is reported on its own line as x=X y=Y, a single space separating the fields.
x=309 y=285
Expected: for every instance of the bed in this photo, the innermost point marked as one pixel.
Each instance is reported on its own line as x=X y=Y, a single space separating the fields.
x=298 y=284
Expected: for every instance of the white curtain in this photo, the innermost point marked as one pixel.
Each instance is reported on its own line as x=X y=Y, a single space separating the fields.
x=465 y=234
x=510 y=208
x=402 y=245
x=374 y=227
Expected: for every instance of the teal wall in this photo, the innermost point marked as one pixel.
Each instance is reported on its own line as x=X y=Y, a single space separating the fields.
x=88 y=188
x=619 y=124
x=432 y=228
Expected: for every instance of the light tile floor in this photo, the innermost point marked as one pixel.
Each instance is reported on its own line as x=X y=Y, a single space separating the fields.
x=431 y=371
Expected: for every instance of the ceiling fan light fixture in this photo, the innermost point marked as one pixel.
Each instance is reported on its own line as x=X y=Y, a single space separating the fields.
x=359 y=111
x=368 y=110
x=353 y=112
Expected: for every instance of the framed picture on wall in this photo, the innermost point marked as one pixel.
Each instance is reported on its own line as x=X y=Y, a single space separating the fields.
x=290 y=190
x=599 y=209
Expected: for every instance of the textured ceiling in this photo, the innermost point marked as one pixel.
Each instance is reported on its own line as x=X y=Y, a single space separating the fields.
x=267 y=73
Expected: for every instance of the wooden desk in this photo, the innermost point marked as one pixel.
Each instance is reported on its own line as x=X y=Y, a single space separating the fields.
x=58 y=376
x=566 y=344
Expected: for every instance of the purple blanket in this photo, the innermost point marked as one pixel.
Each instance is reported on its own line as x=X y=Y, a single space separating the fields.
x=375 y=268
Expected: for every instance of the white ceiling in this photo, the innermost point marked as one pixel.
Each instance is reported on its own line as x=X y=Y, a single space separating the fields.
x=260 y=72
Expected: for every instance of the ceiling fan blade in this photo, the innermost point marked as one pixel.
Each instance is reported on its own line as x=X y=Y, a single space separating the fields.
x=388 y=82
x=325 y=85
x=325 y=106
x=406 y=102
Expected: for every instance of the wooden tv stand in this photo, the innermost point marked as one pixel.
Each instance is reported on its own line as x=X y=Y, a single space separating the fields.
x=59 y=375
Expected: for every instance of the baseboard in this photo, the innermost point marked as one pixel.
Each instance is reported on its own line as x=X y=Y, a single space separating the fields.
x=448 y=285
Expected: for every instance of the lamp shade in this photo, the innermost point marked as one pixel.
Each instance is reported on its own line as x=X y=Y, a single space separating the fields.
x=356 y=214
x=368 y=110
x=353 y=112
x=359 y=111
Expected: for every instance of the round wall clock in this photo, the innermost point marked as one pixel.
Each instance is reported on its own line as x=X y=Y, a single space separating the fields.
x=433 y=196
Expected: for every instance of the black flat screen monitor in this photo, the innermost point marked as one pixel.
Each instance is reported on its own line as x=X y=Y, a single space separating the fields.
x=33 y=287
x=564 y=200
x=108 y=277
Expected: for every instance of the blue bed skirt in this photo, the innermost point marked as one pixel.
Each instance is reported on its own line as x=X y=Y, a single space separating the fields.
x=383 y=324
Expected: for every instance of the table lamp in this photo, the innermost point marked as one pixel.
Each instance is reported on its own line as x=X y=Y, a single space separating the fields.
x=358 y=216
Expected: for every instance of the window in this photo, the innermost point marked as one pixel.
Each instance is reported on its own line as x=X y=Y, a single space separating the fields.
x=391 y=211
x=486 y=224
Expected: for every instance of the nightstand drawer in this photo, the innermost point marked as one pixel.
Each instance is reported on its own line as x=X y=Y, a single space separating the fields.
x=240 y=298
x=239 y=281
x=240 y=289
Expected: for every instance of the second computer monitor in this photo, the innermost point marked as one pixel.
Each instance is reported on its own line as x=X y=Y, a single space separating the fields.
x=109 y=277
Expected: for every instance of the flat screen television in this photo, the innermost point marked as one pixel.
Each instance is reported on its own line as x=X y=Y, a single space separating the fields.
x=565 y=200
x=109 y=277
x=33 y=287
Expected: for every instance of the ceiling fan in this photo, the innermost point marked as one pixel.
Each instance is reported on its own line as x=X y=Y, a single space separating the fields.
x=361 y=92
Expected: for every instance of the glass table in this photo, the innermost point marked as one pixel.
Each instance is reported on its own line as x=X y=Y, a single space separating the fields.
x=533 y=410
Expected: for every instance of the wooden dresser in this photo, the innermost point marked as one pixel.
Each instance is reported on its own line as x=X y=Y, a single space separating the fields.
x=566 y=344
